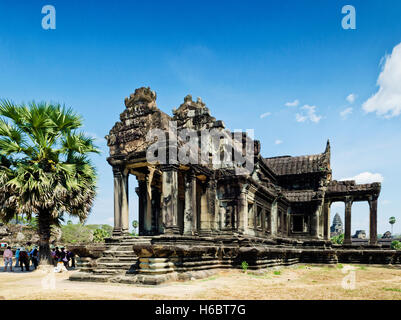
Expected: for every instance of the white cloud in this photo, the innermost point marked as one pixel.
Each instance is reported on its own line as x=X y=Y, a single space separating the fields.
x=345 y=113
x=278 y=141
x=351 y=98
x=366 y=177
x=295 y=103
x=264 y=115
x=309 y=115
x=387 y=100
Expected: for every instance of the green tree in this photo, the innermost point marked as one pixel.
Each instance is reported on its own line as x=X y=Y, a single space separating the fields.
x=396 y=245
x=135 y=226
x=44 y=166
x=391 y=221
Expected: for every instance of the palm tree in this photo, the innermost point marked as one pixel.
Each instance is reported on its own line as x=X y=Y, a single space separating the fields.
x=391 y=221
x=44 y=168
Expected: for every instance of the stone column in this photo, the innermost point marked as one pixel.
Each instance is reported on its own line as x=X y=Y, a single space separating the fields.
x=242 y=211
x=316 y=222
x=347 y=233
x=125 y=206
x=373 y=221
x=170 y=199
x=204 y=215
x=190 y=204
x=326 y=210
x=147 y=222
x=120 y=201
x=117 y=201
x=211 y=203
x=273 y=218
x=141 y=192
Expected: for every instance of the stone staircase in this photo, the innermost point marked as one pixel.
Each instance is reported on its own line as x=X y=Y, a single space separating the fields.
x=118 y=260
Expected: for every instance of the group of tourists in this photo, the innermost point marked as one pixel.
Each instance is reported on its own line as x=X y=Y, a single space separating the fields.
x=27 y=257
x=23 y=258
x=62 y=256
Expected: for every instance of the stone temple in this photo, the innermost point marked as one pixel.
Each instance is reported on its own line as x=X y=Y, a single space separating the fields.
x=195 y=216
x=337 y=226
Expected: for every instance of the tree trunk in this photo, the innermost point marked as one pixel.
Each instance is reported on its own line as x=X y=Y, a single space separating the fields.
x=44 y=221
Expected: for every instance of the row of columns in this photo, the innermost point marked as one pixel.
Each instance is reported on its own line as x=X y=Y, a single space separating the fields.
x=169 y=204
x=372 y=200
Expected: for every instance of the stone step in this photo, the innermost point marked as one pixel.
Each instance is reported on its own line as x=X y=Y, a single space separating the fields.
x=113 y=255
x=118 y=259
x=114 y=265
x=119 y=253
x=84 y=276
x=99 y=271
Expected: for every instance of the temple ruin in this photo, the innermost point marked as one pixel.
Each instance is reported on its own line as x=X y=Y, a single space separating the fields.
x=196 y=216
x=283 y=196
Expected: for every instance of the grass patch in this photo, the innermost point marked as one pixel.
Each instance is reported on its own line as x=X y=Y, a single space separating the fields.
x=277 y=272
x=210 y=278
x=340 y=266
x=362 y=268
x=392 y=289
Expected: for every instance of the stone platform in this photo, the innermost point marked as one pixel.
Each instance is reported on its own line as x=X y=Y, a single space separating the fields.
x=158 y=259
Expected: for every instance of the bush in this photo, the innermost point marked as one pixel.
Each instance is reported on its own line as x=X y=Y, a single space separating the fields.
x=100 y=234
x=396 y=245
x=338 y=239
x=244 y=266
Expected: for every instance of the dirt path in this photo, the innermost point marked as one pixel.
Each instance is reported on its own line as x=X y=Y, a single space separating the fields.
x=297 y=282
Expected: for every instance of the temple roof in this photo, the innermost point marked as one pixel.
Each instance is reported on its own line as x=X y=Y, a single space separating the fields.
x=351 y=186
x=287 y=165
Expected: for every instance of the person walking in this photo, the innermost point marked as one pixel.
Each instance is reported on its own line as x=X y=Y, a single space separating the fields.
x=63 y=257
x=35 y=257
x=54 y=258
x=8 y=258
x=71 y=256
x=17 y=257
x=24 y=259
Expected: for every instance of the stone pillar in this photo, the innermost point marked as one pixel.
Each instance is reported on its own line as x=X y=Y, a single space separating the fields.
x=204 y=215
x=125 y=206
x=141 y=192
x=190 y=204
x=326 y=210
x=211 y=203
x=316 y=222
x=273 y=218
x=120 y=201
x=347 y=233
x=117 y=175
x=373 y=221
x=170 y=199
x=242 y=211
x=147 y=223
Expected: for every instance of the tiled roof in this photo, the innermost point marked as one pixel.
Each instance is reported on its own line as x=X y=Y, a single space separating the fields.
x=297 y=165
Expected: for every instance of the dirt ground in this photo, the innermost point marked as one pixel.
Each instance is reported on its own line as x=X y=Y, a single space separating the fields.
x=287 y=283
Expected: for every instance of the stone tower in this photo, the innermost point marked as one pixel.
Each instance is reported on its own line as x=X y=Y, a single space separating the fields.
x=337 y=226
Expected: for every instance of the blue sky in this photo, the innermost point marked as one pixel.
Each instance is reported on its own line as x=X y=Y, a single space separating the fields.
x=246 y=59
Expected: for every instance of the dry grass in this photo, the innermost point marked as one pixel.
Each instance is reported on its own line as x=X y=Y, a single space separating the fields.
x=296 y=282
